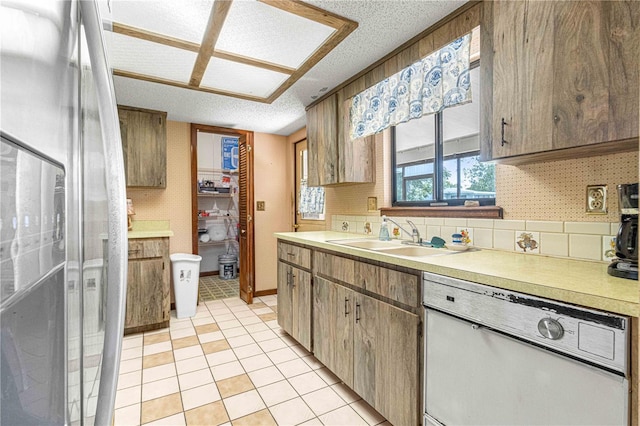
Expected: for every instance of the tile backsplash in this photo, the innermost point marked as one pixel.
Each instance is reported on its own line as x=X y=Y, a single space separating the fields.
x=578 y=240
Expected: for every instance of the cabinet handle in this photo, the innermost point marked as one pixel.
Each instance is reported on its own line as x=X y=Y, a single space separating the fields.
x=357 y=312
x=134 y=252
x=502 y=124
x=290 y=254
x=346 y=306
x=293 y=282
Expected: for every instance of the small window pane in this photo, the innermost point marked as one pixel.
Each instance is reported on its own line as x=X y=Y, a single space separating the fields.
x=478 y=179
x=450 y=179
x=419 y=189
x=418 y=170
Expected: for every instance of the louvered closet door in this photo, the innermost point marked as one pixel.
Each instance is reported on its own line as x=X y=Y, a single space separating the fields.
x=245 y=207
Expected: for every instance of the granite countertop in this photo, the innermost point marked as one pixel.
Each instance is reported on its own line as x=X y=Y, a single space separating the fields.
x=150 y=229
x=584 y=283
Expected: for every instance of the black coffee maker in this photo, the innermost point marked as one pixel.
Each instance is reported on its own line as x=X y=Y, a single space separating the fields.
x=626 y=264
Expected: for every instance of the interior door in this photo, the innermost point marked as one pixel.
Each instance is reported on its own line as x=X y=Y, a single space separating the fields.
x=304 y=222
x=245 y=207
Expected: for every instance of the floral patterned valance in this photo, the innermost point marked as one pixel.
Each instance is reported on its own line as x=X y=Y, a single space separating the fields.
x=435 y=82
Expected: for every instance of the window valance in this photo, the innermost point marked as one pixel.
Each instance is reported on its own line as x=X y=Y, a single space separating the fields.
x=427 y=86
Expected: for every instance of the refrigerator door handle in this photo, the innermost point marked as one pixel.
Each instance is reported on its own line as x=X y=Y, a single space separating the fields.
x=116 y=199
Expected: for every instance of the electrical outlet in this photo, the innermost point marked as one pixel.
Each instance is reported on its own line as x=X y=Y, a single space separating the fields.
x=596 y=199
x=260 y=206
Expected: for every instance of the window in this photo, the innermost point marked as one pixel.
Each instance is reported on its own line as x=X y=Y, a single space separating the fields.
x=436 y=157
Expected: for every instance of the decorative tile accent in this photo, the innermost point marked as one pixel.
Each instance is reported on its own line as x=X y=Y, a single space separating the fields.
x=527 y=242
x=608 y=248
x=345 y=226
x=467 y=235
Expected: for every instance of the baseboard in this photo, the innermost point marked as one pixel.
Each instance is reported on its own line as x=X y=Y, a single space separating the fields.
x=209 y=273
x=149 y=327
x=265 y=292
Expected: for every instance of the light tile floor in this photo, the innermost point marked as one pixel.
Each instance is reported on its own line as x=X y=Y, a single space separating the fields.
x=230 y=364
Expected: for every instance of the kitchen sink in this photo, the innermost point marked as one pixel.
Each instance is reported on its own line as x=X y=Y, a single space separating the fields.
x=393 y=247
x=369 y=244
x=416 y=251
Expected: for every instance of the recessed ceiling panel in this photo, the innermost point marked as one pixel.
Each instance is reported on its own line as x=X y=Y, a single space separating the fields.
x=145 y=57
x=264 y=32
x=240 y=78
x=184 y=19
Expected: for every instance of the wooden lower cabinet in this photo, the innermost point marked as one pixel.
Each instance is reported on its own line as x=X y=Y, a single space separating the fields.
x=372 y=346
x=148 y=285
x=294 y=303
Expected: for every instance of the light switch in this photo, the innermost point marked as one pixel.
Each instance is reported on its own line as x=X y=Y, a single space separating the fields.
x=260 y=206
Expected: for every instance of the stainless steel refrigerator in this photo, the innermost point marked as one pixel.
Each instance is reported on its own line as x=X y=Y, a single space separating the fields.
x=62 y=216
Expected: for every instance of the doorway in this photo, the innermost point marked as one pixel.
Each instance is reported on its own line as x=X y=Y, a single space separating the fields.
x=229 y=191
x=304 y=222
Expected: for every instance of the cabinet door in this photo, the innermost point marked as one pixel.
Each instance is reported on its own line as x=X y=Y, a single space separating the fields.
x=322 y=140
x=365 y=346
x=323 y=321
x=397 y=367
x=144 y=144
x=596 y=49
x=285 y=298
x=333 y=328
x=357 y=157
x=301 y=321
x=344 y=318
x=522 y=77
x=146 y=293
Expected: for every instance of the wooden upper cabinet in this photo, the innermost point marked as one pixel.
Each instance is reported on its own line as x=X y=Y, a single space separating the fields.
x=562 y=75
x=144 y=145
x=333 y=158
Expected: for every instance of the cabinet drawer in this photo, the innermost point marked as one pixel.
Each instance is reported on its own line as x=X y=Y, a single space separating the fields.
x=334 y=267
x=293 y=254
x=146 y=248
x=400 y=286
x=367 y=276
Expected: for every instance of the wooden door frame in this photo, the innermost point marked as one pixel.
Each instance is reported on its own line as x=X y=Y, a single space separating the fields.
x=195 y=128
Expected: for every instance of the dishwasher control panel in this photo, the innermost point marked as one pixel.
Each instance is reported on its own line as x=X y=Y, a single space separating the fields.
x=591 y=335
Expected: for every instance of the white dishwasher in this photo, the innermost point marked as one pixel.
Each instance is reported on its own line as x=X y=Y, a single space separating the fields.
x=497 y=357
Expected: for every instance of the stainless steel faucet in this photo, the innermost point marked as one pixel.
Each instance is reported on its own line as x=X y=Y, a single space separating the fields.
x=415 y=234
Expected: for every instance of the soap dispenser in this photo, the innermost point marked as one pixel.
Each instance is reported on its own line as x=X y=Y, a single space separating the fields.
x=384 y=230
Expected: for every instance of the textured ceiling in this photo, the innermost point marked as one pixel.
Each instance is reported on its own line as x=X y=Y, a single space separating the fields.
x=383 y=26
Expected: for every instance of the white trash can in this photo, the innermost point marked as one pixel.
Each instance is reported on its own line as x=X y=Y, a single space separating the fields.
x=186 y=274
